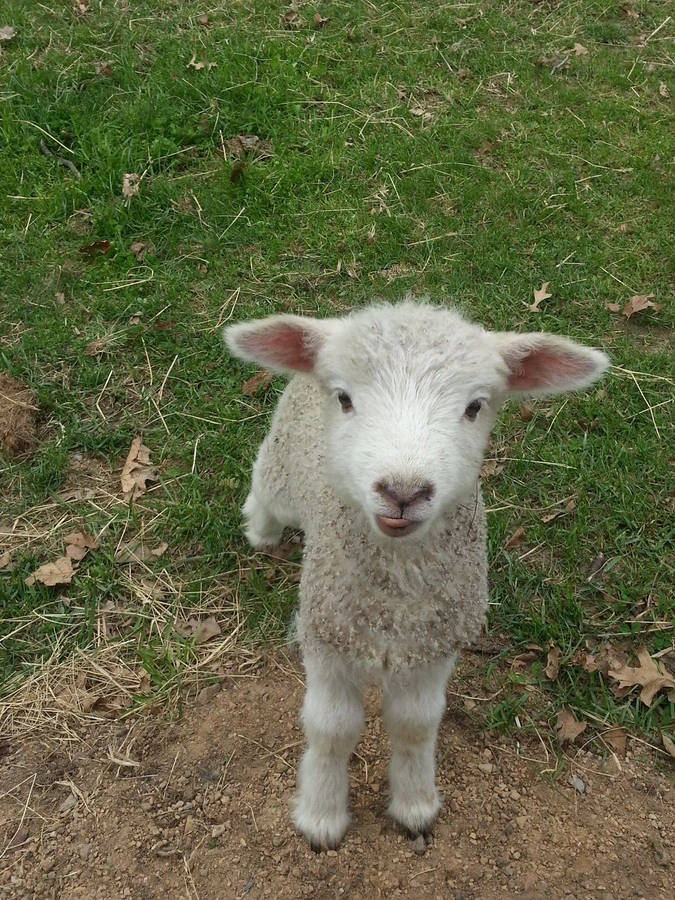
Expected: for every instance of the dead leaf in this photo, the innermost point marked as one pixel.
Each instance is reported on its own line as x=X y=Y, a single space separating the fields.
x=6 y=561
x=207 y=629
x=491 y=467
x=7 y=32
x=553 y=663
x=78 y=545
x=522 y=660
x=422 y=113
x=569 y=507
x=78 y=539
x=668 y=743
x=130 y=185
x=256 y=383
x=96 y=247
x=245 y=144
x=201 y=630
x=319 y=20
x=568 y=727
x=646 y=675
x=136 y=551
x=199 y=64
x=616 y=738
x=76 y=553
x=60 y=571
x=636 y=304
x=526 y=412
x=93 y=348
x=104 y=69
x=587 y=661
x=137 y=471
x=139 y=249
x=663 y=90
x=292 y=18
x=579 y=50
x=135 y=319
x=539 y=296
x=516 y=538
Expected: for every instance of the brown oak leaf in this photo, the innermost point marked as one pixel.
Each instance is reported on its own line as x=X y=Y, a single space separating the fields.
x=60 y=571
x=137 y=471
x=647 y=676
x=201 y=630
x=568 y=727
x=636 y=304
x=539 y=296
x=256 y=383
x=616 y=738
x=516 y=538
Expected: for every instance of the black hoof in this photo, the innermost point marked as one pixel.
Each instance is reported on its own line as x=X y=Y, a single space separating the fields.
x=413 y=834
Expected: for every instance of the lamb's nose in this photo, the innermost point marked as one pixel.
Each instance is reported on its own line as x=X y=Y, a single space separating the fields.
x=404 y=495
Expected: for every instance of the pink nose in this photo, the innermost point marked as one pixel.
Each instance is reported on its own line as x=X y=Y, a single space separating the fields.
x=406 y=495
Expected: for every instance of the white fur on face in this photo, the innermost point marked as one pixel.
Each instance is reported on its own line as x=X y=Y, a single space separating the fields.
x=409 y=388
x=400 y=448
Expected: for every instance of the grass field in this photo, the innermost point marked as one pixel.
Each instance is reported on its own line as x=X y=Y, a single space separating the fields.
x=472 y=151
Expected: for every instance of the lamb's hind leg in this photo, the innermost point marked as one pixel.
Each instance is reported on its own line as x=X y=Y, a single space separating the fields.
x=332 y=716
x=413 y=707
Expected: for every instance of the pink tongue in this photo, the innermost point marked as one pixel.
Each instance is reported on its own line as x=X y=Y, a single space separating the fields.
x=394 y=523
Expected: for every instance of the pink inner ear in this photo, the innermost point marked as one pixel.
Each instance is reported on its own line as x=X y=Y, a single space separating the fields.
x=281 y=345
x=547 y=367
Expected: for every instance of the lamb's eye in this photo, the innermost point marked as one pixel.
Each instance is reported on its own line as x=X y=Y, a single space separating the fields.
x=472 y=410
x=345 y=401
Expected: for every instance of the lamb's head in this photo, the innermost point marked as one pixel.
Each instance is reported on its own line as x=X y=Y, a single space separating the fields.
x=410 y=396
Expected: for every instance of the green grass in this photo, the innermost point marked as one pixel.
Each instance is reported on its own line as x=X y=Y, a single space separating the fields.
x=425 y=147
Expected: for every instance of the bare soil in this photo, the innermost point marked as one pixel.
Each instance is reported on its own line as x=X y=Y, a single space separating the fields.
x=198 y=808
x=17 y=416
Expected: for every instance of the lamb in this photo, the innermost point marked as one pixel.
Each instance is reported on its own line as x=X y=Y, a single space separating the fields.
x=375 y=451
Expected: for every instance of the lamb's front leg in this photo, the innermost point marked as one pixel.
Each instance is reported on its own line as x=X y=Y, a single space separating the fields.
x=413 y=707
x=332 y=716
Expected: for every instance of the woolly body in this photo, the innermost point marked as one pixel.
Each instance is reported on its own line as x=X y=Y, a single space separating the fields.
x=379 y=605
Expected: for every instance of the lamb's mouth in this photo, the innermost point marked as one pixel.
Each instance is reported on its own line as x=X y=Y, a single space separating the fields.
x=396 y=527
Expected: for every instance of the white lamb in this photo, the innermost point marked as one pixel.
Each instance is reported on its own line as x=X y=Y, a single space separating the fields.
x=375 y=451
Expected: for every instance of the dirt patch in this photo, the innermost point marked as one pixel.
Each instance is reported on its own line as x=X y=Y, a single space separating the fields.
x=18 y=410
x=199 y=808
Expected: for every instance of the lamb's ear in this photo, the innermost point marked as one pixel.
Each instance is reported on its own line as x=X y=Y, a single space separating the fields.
x=282 y=343
x=541 y=363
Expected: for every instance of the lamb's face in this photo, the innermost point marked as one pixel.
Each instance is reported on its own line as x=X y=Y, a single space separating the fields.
x=411 y=393
x=408 y=414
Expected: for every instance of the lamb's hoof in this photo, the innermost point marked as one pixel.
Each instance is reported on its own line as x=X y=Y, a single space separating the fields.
x=324 y=833
x=415 y=819
x=411 y=835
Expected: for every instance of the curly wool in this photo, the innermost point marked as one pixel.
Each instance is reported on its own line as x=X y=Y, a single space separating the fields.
x=378 y=605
